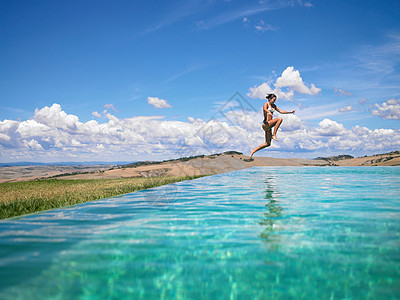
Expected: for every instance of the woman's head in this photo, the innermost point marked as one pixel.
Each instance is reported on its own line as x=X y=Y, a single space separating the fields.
x=271 y=97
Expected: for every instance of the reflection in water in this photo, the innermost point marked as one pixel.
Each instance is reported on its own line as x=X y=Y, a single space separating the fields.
x=271 y=216
x=218 y=239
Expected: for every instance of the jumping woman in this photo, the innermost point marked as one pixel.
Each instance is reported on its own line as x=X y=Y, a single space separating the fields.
x=269 y=122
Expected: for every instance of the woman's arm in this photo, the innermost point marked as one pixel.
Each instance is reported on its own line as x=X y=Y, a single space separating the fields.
x=265 y=107
x=284 y=111
x=267 y=114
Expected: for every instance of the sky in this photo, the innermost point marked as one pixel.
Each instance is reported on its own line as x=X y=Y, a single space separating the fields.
x=153 y=80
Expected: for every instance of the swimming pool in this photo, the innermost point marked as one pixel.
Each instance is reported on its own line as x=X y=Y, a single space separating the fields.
x=259 y=233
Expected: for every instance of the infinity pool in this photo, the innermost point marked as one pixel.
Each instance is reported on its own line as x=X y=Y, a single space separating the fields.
x=259 y=233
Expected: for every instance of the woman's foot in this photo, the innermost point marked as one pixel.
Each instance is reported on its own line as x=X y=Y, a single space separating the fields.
x=251 y=153
x=274 y=137
x=251 y=156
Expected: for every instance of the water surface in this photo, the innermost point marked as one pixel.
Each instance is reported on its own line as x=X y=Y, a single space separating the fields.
x=260 y=233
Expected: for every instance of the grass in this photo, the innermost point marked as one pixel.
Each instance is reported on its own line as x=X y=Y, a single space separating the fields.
x=20 y=198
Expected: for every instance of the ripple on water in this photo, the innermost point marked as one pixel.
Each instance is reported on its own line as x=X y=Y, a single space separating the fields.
x=266 y=232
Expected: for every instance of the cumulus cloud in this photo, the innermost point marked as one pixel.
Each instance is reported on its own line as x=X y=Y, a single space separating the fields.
x=33 y=144
x=291 y=79
x=158 y=103
x=54 y=117
x=264 y=89
x=292 y=123
x=53 y=134
x=328 y=127
x=284 y=87
x=345 y=108
x=389 y=109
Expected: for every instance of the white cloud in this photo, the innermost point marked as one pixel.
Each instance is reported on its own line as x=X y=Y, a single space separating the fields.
x=261 y=91
x=389 y=109
x=33 y=144
x=158 y=103
x=54 y=117
x=245 y=12
x=262 y=27
x=250 y=120
x=292 y=123
x=141 y=138
x=341 y=92
x=239 y=14
x=290 y=80
x=330 y=128
x=8 y=137
x=96 y=114
x=4 y=137
x=105 y=112
x=110 y=107
x=345 y=108
x=33 y=128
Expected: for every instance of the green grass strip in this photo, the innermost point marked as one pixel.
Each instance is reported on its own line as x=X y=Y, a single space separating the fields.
x=20 y=198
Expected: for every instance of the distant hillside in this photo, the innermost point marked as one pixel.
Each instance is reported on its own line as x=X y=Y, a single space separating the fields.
x=385 y=159
x=335 y=158
x=182 y=159
x=61 y=163
x=192 y=165
x=390 y=153
x=373 y=159
x=195 y=165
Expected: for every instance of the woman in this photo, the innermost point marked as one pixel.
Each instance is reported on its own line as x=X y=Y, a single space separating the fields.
x=269 y=122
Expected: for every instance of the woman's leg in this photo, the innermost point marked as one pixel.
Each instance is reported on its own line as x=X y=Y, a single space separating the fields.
x=277 y=122
x=267 y=143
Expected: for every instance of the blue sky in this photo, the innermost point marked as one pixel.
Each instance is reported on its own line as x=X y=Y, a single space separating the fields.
x=118 y=80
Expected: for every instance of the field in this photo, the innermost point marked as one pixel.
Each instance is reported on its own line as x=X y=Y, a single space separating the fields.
x=20 y=198
x=87 y=183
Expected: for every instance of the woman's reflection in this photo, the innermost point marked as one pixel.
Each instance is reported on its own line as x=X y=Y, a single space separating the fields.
x=274 y=212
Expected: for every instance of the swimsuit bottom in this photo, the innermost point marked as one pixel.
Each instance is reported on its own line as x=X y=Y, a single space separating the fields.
x=266 y=124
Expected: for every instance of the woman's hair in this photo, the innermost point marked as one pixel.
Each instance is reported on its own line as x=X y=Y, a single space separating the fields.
x=270 y=96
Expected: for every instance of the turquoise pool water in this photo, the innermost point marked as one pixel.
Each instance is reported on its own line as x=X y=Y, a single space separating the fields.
x=260 y=233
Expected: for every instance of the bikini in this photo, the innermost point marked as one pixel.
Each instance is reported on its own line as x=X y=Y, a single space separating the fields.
x=271 y=110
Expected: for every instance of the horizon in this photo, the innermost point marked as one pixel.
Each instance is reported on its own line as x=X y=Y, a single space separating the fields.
x=134 y=81
x=121 y=163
